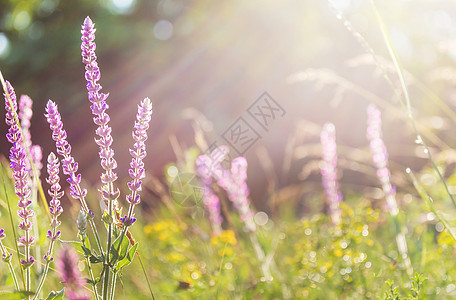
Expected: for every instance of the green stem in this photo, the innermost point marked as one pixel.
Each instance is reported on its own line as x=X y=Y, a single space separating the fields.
x=145 y=275
x=12 y=223
x=261 y=256
x=114 y=277
x=122 y=235
x=28 y=278
x=48 y=262
x=43 y=279
x=10 y=265
x=94 y=285
x=106 y=265
x=430 y=203
x=95 y=233
x=36 y=232
x=113 y=285
x=407 y=99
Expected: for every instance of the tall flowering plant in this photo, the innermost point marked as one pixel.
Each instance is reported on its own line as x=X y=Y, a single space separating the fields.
x=233 y=181
x=328 y=170
x=21 y=165
x=120 y=246
x=380 y=158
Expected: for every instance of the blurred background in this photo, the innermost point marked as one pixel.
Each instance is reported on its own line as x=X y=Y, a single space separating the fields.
x=204 y=63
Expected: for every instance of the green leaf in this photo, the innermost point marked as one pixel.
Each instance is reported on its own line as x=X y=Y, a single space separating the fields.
x=107 y=218
x=127 y=259
x=15 y=295
x=87 y=251
x=86 y=243
x=56 y=295
x=95 y=259
x=118 y=253
x=76 y=245
x=94 y=282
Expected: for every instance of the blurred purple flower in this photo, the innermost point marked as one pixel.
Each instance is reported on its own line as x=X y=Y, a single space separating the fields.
x=210 y=200
x=25 y=115
x=37 y=155
x=380 y=156
x=20 y=174
x=232 y=181
x=67 y=266
x=328 y=170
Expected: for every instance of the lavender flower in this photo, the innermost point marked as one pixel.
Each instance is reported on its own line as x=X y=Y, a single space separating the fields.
x=69 y=166
x=329 y=171
x=233 y=181
x=137 y=172
x=37 y=155
x=54 y=205
x=17 y=160
x=99 y=107
x=239 y=191
x=380 y=156
x=67 y=266
x=25 y=115
x=210 y=200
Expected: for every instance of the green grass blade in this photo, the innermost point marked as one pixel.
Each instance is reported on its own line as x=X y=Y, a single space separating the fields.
x=145 y=275
x=407 y=98
x=13 y=228
x=426 y=198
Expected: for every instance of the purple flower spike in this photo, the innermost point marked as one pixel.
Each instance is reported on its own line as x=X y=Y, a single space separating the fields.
x=380 y=156
x=128 y=221
x=27 y=263
x=233 y=181
x=210 y=200
x=25 y=115
x=37 y=155
x=54 y=205
x=67 y=266
x=20 y=174
x=69 y=166
x=240 y=192
x=328 y=170
x=2 y=233
x=99 y=107
x=138 y=153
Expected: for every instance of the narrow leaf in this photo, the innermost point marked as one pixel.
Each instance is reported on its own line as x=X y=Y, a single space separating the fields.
x=127 y=259
x=56 y=295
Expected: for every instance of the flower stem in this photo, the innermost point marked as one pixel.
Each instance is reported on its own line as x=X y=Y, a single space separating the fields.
x=10 y=265
x=106 y=266
x=12 y=223
x=108 y=247
x=260 y=255
x=94 y=285
x=43 y=278
x=113 y=285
